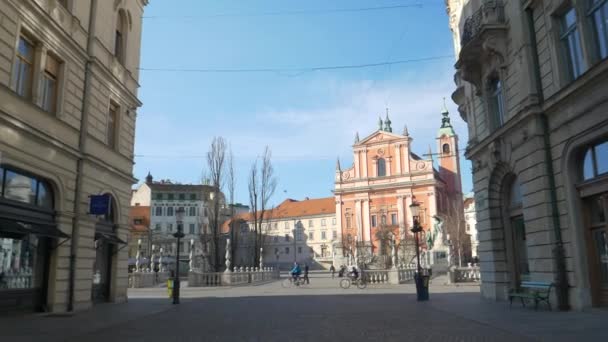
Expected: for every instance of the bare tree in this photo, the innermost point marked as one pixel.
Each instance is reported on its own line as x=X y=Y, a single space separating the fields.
x=262 y=185
x=231 y=184
x=454 y=223
x=216 y=167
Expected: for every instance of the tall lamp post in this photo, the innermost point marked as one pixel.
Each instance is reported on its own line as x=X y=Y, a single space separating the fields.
x=295 y=230
x=422 y=281
x=179 y=214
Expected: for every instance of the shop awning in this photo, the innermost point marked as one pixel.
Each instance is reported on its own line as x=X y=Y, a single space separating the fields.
x=13 y=228
x=109 y=237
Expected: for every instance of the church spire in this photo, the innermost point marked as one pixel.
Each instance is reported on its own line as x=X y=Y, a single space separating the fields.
x=338 y=168
x=380 y=127
x=356 y=137
x=387 y=123
x=446 y=126
x=405 y=132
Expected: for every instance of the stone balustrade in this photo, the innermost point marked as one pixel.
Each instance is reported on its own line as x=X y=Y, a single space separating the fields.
x=147 y=279
x=21 y=279
x=392 y=276
x=467 y=274
x=240 y=276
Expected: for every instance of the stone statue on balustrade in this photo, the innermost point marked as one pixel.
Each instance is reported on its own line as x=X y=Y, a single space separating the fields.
x=228 y=256
x=394 y=253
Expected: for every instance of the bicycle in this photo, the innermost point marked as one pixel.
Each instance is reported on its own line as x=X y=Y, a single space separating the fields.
x=290 y=282
x=359 y=282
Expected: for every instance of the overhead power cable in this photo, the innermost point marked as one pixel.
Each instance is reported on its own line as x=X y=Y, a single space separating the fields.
x=297 y=12
x=299 y=70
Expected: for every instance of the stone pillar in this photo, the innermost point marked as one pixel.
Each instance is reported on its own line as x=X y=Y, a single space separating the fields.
x=393 y=276
x=398 y=161
x=389 y=161
x=367 y=235
x=400 y=215
x=357 y=164
x=365 y=173
x=358 y=218
x=339 y=217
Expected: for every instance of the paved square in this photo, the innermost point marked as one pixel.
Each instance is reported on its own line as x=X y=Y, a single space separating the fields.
x=319 y=312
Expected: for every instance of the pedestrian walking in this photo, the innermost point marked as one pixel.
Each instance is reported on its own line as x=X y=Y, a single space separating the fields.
x=306 y=274
x=332 y=269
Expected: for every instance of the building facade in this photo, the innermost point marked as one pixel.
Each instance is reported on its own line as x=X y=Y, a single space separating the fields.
x=531 y=80
x=140 y=236
x=373 y=196
x=471 y=224
x=295 y=231
x=165 y=198
x=68 y=100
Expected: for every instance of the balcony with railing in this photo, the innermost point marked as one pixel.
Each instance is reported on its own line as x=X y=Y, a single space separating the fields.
x=483 y=41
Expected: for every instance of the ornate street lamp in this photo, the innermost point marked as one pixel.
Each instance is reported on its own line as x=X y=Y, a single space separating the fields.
x=179 y=215
x=422 y=289
x=295 y=243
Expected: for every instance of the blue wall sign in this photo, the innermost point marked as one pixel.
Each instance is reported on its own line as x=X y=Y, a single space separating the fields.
x=99 y=204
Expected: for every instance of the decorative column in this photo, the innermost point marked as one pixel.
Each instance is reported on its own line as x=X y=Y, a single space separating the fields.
x=365 y=173
x=367 y=229
x=228 y=256
x=138 y=256
x=358 y=219
x=191 y=256
x=357 y=164
x=398 y=161
x=261 y=258
x=388 y=166
x=339 y=217
x=400 y=215
x=160 y=261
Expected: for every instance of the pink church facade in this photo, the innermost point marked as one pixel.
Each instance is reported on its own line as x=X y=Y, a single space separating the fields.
x=385 y=178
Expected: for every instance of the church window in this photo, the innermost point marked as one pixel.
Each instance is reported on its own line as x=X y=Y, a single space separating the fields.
x=381 y=167
x=374 y=221
x=446 y=148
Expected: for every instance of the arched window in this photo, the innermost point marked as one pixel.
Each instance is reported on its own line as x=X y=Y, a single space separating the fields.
x=446 y=148
x=596 y=161
x=381 y=167
x=120 y=37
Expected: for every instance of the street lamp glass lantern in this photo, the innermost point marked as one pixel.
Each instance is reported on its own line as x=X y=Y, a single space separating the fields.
x=179 y=214
x=415 y=209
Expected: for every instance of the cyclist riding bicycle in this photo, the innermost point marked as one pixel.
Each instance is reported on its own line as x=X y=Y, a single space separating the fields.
x=295 y=271
x=354 y=273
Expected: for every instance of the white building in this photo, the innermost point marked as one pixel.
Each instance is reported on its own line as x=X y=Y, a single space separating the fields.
x=471 y=222
x=164 y=199
x=310 y=243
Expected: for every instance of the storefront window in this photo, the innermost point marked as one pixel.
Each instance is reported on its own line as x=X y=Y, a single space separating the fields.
x=19 y=187
x=18 y=261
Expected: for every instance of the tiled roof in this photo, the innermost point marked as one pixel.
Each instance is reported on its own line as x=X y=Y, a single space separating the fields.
x=180 y=187
x=291 y=208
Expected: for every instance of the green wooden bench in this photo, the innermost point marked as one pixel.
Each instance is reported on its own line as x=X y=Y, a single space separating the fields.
x=534 y=290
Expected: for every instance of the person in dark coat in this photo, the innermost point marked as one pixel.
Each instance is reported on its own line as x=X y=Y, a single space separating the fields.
x=306 y=274
x=332 y=269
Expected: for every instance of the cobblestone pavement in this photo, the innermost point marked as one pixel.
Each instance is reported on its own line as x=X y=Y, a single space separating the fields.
x=319 y=312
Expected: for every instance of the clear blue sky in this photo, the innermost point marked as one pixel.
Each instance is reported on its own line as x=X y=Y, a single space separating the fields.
x=308 y=119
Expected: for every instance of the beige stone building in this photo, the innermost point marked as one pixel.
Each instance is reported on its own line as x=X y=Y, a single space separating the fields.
x=68 y=100
x=295 y=231
x=532 y=84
